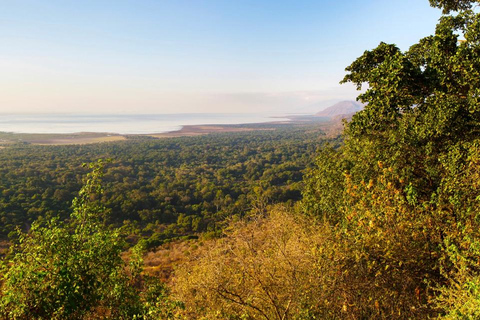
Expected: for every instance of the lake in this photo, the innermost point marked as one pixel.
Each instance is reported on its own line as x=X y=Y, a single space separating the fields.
x=123 y=124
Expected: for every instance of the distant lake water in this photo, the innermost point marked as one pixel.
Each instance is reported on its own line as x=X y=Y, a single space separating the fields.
x=123 y=124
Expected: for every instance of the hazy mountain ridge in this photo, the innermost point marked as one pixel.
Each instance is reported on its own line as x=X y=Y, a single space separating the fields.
x=340 y=109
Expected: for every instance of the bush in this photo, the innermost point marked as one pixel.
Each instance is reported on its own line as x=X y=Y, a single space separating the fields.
x=74 y=270
x=276 y=267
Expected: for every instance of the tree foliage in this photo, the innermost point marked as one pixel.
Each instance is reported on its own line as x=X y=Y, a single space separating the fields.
x=161 y=188
x=275 y=266
x=406 y=197
x=453 y=5
x=74 y=269
x=396 y=215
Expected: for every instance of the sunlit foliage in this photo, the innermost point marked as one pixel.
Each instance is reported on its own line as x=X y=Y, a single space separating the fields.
x=405 y=191
x=74 y=270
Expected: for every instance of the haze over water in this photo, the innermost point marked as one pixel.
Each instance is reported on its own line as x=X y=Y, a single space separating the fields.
x=123 y=124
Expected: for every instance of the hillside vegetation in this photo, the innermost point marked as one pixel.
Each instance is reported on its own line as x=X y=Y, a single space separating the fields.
x=387 y=225
x=395 y=211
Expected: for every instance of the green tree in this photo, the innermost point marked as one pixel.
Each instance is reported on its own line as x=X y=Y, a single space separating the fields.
x=453 y=5
x=419 y=105
x=419 y=102
x=323 y=194
x=74 y=269
x=406 y=200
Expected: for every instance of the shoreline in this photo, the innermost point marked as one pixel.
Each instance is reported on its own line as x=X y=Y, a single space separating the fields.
x=83 y=138
x=197 y=130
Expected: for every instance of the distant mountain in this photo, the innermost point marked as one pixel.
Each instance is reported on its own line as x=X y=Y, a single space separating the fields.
x=340 y=109
x=311 y=108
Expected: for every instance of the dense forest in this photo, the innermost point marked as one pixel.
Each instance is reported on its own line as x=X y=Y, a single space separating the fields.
x=383 y=224
x=168 y=187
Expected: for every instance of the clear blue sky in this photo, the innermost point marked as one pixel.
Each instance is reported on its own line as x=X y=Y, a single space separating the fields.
x=174 y=56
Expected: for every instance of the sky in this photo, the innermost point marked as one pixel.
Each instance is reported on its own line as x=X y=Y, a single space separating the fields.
x=178 y=56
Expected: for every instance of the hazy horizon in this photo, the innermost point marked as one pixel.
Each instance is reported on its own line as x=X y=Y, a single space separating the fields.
x=132 y=57
x=303 y=108
x=124 y=123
